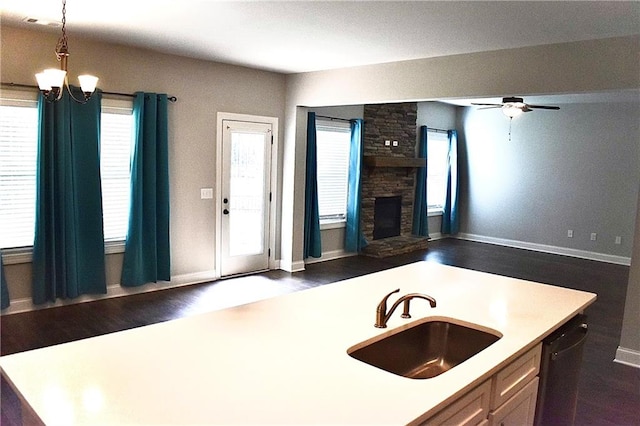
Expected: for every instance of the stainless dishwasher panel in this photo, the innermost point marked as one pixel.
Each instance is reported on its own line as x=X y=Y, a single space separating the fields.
x=559 y=374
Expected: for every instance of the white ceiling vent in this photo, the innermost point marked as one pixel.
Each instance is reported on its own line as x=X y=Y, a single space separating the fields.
x=30 y=20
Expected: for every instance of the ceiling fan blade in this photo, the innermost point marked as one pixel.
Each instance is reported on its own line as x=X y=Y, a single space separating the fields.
x=543 y=106
x=493 y=105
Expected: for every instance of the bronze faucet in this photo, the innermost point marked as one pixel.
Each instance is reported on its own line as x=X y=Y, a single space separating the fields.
x=382 y=316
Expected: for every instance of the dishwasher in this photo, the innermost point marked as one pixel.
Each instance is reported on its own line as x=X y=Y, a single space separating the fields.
x=559 y=374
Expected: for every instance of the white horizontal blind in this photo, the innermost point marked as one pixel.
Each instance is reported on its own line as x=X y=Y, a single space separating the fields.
x=333 y=144
x=437 y=166
x=18 y=162
x=116 y=141
x=18 y=157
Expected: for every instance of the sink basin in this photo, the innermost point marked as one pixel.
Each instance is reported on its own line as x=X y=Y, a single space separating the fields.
x=425 y=350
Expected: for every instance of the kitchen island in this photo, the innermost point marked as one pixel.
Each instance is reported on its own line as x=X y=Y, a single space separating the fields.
x=284 y=360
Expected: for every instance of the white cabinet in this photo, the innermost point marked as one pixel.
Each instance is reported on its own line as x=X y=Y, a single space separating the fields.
x=469 y=410
x=518 y=410
x=507 y=398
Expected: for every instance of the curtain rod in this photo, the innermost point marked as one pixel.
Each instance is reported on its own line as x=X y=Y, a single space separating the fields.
x=437 y=130
x=333 y=118
x=129 y=95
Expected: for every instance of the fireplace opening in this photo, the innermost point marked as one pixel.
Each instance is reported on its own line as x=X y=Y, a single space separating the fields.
x=386 y=217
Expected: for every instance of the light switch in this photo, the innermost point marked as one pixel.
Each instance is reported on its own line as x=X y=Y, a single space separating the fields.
x=206 y=193
x=387 y=143
x=395 y=143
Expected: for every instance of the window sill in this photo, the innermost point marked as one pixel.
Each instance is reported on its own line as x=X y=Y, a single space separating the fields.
x=433 y=213
x=14 y=256
x=333 y=224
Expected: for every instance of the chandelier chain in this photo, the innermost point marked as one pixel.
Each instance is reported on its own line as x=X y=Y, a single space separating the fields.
x=62 y=49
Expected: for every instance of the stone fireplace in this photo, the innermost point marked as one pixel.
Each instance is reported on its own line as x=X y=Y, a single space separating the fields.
x=388 y=177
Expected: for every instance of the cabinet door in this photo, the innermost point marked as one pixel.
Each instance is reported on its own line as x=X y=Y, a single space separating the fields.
x=469 y=410
x=508 y=381
x=519 y=410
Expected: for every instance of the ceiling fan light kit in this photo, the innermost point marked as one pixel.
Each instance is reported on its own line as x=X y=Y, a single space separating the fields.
x=513 y=106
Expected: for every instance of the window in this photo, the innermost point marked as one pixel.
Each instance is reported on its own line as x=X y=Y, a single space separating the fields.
x=333 y=144
x=18 y=159
x=116 y=136
x=437 y=166
x=18 y=156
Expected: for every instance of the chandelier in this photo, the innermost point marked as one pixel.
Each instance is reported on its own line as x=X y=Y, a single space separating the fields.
x=52 y=81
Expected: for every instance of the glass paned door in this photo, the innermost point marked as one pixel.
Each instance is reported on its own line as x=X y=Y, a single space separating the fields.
x=246 y=150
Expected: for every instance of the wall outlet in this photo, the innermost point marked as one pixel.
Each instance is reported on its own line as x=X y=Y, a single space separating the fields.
x=618 y=240
x=387 y=143
x=593 y=236
x=395 y=143
x=206 y=193
x=570 y=233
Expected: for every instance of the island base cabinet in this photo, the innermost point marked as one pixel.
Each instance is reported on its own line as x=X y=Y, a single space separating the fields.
x=507 y=398
x=519 y=410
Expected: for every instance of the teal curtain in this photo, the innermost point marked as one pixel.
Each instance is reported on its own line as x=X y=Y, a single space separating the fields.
x=354 y=239
x=68 y=248
x=312 y=243
x=147 y=248
x=4 y=295
x=420 y=217
x=450 y=219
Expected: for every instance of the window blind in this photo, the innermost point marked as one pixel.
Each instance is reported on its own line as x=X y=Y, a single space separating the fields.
x=333 y=141
x=437 y=165
x=116 y=136
x=18 y=148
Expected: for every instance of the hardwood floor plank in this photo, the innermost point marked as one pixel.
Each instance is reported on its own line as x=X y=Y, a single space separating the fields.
x=609 y=393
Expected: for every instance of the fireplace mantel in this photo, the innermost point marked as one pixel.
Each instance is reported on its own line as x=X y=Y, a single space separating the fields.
x=386 y=161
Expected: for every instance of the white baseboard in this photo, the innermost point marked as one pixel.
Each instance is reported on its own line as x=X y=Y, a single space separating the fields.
x=564 y=251
x=627 y=357
x=330 y=255
x=297 y=266
x=114 y=290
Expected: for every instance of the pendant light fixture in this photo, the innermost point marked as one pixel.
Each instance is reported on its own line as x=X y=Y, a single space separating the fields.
x=52 y=81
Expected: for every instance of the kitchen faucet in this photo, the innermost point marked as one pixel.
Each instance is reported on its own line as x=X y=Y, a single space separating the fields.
x=382 y=316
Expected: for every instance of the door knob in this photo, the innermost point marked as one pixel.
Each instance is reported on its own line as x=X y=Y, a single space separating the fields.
x=225 y=211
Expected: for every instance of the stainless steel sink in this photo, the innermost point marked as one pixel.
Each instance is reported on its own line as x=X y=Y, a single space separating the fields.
x=425 y=350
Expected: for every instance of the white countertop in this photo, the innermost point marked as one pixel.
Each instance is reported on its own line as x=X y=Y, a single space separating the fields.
x=284 y=360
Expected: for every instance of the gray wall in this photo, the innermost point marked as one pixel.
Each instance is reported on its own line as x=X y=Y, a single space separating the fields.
x=576 y=168
x=203 y=89
x=630 y=338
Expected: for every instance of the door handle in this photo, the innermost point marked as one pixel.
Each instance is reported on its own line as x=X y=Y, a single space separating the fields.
x=225 y=211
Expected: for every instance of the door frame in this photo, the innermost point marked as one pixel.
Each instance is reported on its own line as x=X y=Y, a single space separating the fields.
x=271 y=232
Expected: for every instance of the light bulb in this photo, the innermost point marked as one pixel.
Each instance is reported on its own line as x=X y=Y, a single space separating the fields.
x=88 y=83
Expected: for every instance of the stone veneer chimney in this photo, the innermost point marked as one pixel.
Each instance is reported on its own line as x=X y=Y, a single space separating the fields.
x=392 y=174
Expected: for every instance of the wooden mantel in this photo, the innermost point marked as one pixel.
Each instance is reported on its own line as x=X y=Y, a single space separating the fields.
x=386 y=161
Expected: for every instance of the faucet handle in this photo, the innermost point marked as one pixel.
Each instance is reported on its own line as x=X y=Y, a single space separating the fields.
x=383 y=302
x=382 y=306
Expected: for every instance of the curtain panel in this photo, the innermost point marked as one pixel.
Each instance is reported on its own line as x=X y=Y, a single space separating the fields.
x=4 y=294
x=312 y=243
x=354 y=239
x=147 y=255
x=420 y=214
x=68 y=248
x=450 y=219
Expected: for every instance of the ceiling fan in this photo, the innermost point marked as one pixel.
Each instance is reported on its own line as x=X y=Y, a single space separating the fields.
x=512 y=106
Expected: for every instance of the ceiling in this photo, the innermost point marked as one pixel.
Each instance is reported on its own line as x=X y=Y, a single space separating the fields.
x=300 y=36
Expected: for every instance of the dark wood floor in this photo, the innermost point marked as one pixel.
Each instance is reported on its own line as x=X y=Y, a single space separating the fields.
x=609 y=393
